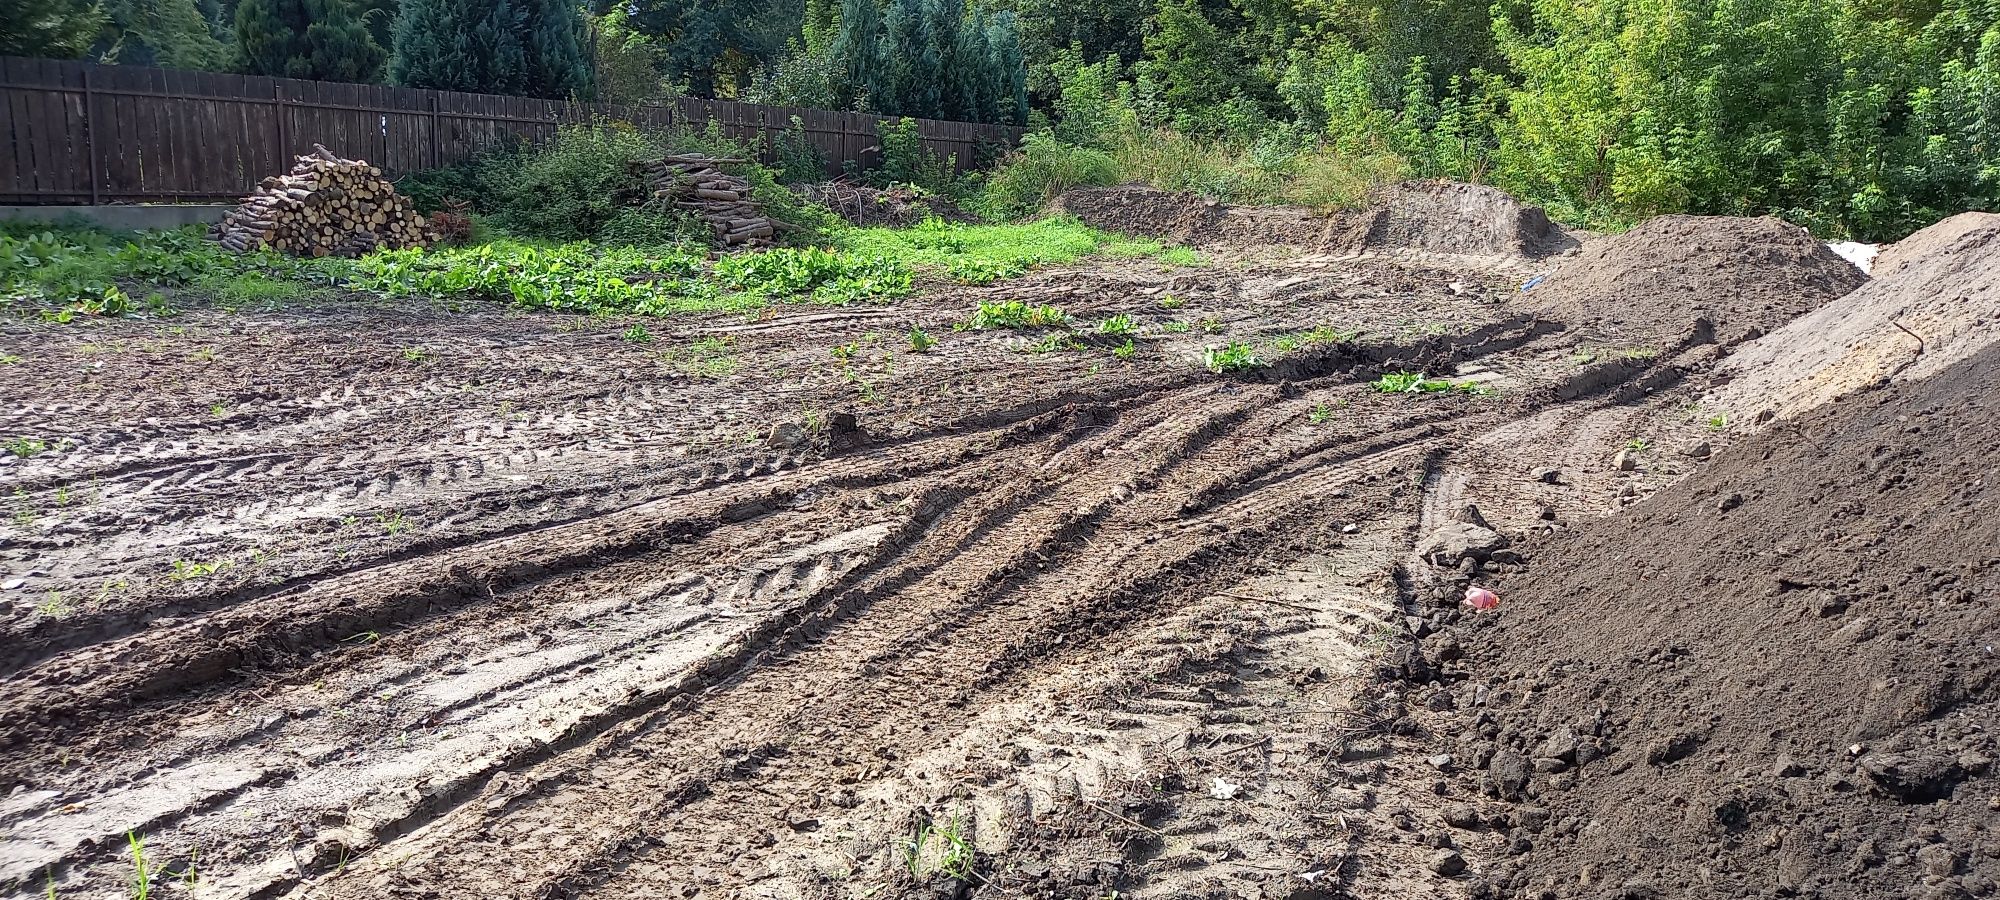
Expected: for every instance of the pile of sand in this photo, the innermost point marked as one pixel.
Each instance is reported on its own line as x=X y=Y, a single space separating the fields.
x=1934 y=300
x=1649 y=286
x=1774 y=681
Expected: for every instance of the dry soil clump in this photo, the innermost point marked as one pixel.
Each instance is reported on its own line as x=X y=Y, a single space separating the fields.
x=1652 y=284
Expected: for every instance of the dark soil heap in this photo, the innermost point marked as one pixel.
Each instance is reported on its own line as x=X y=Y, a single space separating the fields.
x=1651 y=284
x=1454 y=217
x=1430 y=216
x=1776 y=681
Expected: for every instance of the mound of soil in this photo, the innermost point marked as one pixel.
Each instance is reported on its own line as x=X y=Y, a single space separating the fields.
x=897 y=207
x=1654 y=282
x=1428 y=216
x=1454 y=217
x=1777 y=681
x=1934 y=301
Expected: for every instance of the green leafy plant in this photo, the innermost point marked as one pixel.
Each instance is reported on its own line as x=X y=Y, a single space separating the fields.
x=143 y=872
x=1118 y=326
x=25 y=447
x=920 y=340
x=942 y=849
x=1016 y=314
x=1169 y=301
x=1320 y=414
x=709 y=357
x=1230 y=357
x=637 y=334
x=1125 y=351
x=1418 y=383
x=1176 y=327
x=188 y=571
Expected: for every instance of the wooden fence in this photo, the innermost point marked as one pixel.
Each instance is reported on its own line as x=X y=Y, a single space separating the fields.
x=73 y=133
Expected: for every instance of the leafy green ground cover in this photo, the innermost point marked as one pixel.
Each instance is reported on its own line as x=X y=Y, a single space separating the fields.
x=63 y=273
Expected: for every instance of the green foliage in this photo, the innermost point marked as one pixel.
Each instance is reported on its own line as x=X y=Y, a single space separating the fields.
x=920 y=340
x=1118 y=326
x=644 y=226
x=314 y=39
x=906 y=161
x=628 y=61
x=169 y=33
x=799 y=161
x=534 y=48
x=831 y=278
x=717 y=45
x=942 y=849
x=58 y=29
x=1041 y=169
x=1231 y=357
x=984 y=253
x=1015 y=314
x=571 y=187
x=1418 y=383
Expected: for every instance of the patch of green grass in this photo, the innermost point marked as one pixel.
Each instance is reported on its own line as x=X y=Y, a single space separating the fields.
x=920 y=340
x=8 y=359
x=1638 y=445
x=1212 y=325
x=54 y=606
x=394 y=523
x=1015 y=314
x=143 y=872
x=637 y=334
x=980 y=254
x=1717 y=422
x=1176 y=327
x=1170 y=301
x=1182 y=256
x=1055 y=343
x=710 y=357
x=1231 y=357
x=1418 y=383
x=218 y=410
x=415 y=354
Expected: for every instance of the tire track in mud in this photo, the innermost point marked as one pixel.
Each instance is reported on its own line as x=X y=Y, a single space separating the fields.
x=647 y=666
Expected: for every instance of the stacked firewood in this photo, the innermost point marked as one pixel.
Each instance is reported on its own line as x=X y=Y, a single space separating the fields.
x=696 y=183
x=326 y=206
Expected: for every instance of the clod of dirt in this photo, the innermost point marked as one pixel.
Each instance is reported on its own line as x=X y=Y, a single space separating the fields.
x=1653 y=285
x=1425 y=216
x=1934 y=301
x=1793 y=697
x=1460 y=540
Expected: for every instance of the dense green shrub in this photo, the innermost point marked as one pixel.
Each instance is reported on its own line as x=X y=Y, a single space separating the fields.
x=571 y=187
x=1041 y=169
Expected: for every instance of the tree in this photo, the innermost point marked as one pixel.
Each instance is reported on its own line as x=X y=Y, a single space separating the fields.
x=317 y=39
x=528 y=47
x=858 y=48
x=628 y=62
x=1008 y=71
x=169 y=33
x=719 y=45
x=58 y=29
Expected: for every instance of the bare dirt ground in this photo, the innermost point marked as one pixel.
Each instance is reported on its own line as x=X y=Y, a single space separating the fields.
x=363 y=600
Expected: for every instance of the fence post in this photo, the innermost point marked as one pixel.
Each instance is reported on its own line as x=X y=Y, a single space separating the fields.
x=90 y=134
x=437 y=150
x=284 y=126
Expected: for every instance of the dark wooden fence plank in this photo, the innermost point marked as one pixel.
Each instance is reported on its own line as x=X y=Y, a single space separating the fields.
x=79 y=132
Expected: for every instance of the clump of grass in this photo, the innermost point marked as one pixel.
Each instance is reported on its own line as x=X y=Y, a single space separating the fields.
x=920 y=340
x=1182 y=256
x=710 y=357
x=1176 y=327
x=1234 y=356
x=1015 y=314
x=1418 y=383
x=942 y=849
x=1170 y=301
x=25 y=447
x=1055 y=343
x=1320 y=414
x=637 y=334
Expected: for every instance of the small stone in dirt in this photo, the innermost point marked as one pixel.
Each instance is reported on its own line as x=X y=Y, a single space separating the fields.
x=1461 y=815
x=1546 y=512
x=1561 y=744
x=1448 y=863
x=1441 y=762
x=1349 y=528
x=1469 y=514
x=1548 y=475
x=1857 y=631
x=1625 y=461
x=787 y=436
x=1508 y=772
x=1458 y=541
x=1729 y=501
x=1699 y=450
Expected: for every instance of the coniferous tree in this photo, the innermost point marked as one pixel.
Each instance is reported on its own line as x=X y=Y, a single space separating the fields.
x=317 y=39
x=529 y=47
x=1009 y=71
x=972 y=80
x=58 y=29
x=858 y=48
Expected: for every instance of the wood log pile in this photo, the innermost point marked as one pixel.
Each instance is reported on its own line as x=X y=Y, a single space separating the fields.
x=696 y=183
x=326 y=206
